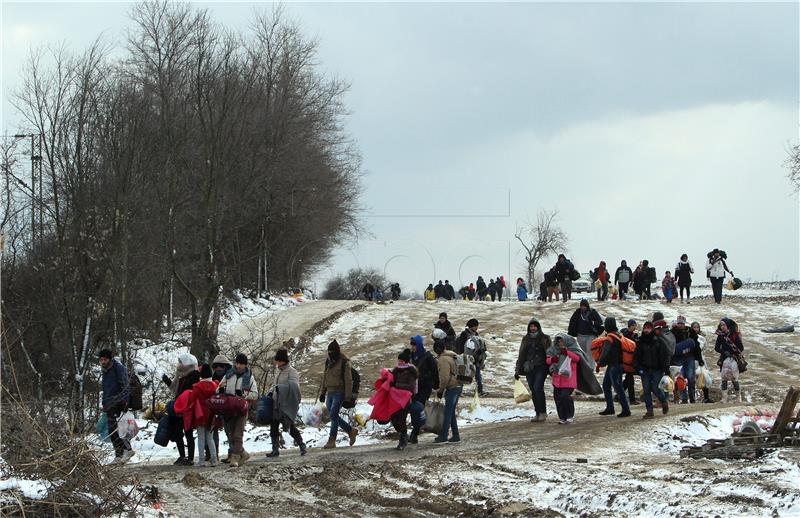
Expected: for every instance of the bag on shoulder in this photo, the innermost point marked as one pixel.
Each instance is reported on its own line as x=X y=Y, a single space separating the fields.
x=227 y=405
x=465 y=368
x=351 y=403
x=163 y=431
x=135 y=401
x=264 y=409
x=628 y=352
x=575 y=275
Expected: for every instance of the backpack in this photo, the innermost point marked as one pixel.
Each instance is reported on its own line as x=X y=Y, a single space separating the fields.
x=651 y=274
x=628 y=351
x=351 y=403
x=135 y=392
x=575 y=275
x=465 y=368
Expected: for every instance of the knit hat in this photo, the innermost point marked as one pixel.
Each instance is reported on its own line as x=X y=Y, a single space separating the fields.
x=405 y=355
x=647 y=324
x=282 y=356
x=472 y=322
x=205 y=371
x=584 y=302
x=680 y=320
x=220 y=359
x=241 y=358
x=443 y=314
x=631 y=322
x=611 y=325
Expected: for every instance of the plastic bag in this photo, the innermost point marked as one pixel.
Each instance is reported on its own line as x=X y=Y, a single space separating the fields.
x=435 y=412
x=521 y=394
x=102 y=428
x=476 y=402
x=566 y=368
x=126 y=426
x=709 y=378
x=666 y=384
x=315 y=416
x=730 y=370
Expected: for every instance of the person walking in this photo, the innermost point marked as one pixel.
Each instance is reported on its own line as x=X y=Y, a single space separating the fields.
x=687 y=352
x=552 y=285
x=471 y=292
x=600 y=275
x=564 y=269
x=336 y=388
x=405 y=378
x=439 y=291
x=522 y=290
x=611 y=359
x=186 y=375
x=565 y=380
x=622 y=278
x=696 y=333
x=492 y=289
x=501 y=286
x=220 y=367
x=731 y=360
x=683 y=275
x=202 y=417
x=652 y=362
x=239 y=381
x=532 y=363
x=427 y=382
x=449 y=292
x=470 y=333
x=444 y=324
x=450 y=388
x=116 y=393
x=715 y=269
x=430 y=293
x=482 y=289
x=286 y=399
x=586 y=324
x=629 y=381
x=668 y=286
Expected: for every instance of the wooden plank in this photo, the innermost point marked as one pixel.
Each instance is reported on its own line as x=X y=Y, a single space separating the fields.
x=786 y=411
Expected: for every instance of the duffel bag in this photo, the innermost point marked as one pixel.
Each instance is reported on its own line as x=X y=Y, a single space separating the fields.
x=264 y=409
x=163 y=432
x=227 y=405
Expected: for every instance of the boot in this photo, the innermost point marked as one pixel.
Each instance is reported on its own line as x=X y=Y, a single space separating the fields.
x=302 y=449
x=706 y=398
x=226 y=460
x=414 y=435
x=607 y=411
x=244 y=457
x=648 y=415
x=274 y=453
x=403 y=442
x=330 y=444
x=664 y=406
x=624 y=413
x=353 y=434
x=233 y=460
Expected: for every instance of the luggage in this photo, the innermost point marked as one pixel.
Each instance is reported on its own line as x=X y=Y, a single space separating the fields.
x=465 y=368
x=163 y=432
x=264 y=409
x=435 y=413
x=135 y=395
x=351 y=403
x=227 y=405
x=666 y=384
x=575 y=275
x=628 y=352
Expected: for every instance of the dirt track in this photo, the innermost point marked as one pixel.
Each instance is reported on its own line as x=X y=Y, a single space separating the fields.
x=513 y=468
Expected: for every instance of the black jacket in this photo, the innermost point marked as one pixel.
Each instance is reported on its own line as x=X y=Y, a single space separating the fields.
x=611 y=355
x=449 y=292
x=480 y=287
x=593 y=325
x=447 y=327
x=532 y=351
x=651 y=354
x=428 y=370
x=563 y=270
x=622 y=269
x=439 y=291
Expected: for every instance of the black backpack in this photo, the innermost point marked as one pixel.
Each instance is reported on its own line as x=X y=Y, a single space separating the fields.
x=135 y=392
x=351 y=403
x=651 y=274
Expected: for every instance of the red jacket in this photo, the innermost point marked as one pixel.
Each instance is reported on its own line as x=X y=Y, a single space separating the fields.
x=193 y=404
x=387 y=399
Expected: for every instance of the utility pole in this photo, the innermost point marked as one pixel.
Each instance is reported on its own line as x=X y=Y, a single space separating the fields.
x=35 y=159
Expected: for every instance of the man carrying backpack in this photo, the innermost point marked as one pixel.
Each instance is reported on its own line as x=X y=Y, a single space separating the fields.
x=337 y=385
x=427 y=382
x=239 y=381
x=469 y=341
x=450 y=388
x=611 y=359
x=715 y=270
x=116 y=391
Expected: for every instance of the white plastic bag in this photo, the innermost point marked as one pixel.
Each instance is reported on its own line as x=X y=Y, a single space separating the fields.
x=666 y=384
x=566 y=368
x=730 y=370
x=126 y=426
x=315 y=416
x=476 y=401
x=521 y=394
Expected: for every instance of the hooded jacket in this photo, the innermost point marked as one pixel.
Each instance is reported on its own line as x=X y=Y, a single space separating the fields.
x=338 y=377
x=586 y=382
x=729 y=344
x=116 y=387
x=623 y=273
x=651 y=354
x=447 y=371
x=532 y=350
x=589 y=324
x=427 y=368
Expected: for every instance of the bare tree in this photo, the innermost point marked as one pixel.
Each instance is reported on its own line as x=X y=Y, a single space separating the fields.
x=539 y=240
x=792 y=163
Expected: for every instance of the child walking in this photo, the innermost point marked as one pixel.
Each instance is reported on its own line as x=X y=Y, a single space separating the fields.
x=204 y=389
x=668 y=287
x=563 y=385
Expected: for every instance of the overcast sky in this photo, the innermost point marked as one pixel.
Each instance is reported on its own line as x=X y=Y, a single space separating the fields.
x=655 y=129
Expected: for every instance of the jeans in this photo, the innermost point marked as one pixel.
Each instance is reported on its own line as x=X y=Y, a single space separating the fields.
x=687 y=292
x=536 y=384
x=566 y=290
x=334 y=404
x=120 y=445
x=585 y=343
x=418 y=416
x=630 y=386
x=724 y=386
x=450 y=402
x=565 y=406
x=613 y=378
x=623 y=289
x=189 y=436
x=205 y=438
x=602 y=292
x=687 y=369
x=479 y=379
x=716 y=287
x=650 y=381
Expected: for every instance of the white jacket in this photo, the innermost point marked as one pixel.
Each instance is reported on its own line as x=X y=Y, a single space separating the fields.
x=716 y=269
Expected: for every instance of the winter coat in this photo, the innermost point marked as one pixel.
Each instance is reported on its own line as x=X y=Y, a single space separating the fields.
x=439 y=291
x=338 y=377
x=427 y=370
x=728 y=345
x=193 y=404
x=480 y=285
x=587 y=382
x=601 y=274
x=683 y=273
x=465 y=335
x=447 y=327
x=116 y=387
x=668 y=284
x=532 y=351
x=560 y=381
x=286 y=394
x=447 y=371
x=563 y=270
x=611 y=354
x=589 y=324
x=245 y=383
x=449 y=292
x=623 y=274
x=522 y=292
x=430 y=294
x=717 y=268
x=651 y=354
x=387 y=398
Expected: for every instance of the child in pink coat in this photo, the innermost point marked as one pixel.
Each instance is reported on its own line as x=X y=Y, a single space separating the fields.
x=563 y=386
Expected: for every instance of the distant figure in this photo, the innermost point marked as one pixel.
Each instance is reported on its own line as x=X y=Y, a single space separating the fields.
x=623 y=278
x=367 y=291
x=463 y=292
x=395 y=289
x=522 y=291
x=449 y=292
x=481 y=288
x=439 y=291
x=471 y=292
x=430 y=294
x=668 y=286
x=501 y=285
x=715 y=269
x=586 y=324
x=377 y=295
x=450 y=334
x=551 y=284
x=564 y=269
x=683 y=275
x=600 y=275
x=492 y=289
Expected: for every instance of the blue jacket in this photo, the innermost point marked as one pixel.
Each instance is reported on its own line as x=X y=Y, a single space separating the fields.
x=116 y=388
